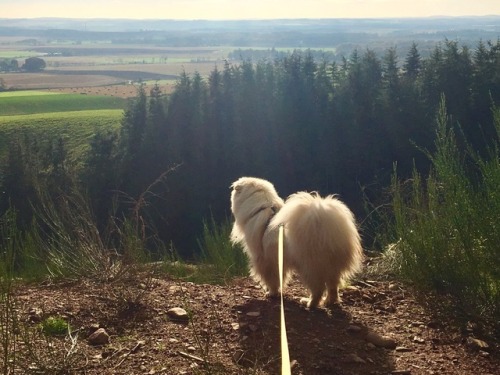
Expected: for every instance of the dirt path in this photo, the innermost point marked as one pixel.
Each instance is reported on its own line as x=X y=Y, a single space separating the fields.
x=234 y=330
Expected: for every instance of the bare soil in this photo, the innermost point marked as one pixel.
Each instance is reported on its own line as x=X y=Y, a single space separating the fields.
x=234 y=329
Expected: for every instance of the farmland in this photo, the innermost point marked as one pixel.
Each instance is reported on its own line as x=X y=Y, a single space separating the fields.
x=43 y=116
x=95 y=68
x=27 y=102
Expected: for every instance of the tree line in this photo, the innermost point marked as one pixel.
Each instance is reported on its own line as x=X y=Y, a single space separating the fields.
x=302 y=123
x=31 y=64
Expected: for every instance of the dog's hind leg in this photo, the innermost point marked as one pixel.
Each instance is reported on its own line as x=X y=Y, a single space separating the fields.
x=316 y=288
x=333 y=290
x=271 y=281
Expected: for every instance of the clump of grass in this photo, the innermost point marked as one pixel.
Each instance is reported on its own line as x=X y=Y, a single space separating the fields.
x=225 y=259
x=219 y=262
x=445 y=228
x=54 y=326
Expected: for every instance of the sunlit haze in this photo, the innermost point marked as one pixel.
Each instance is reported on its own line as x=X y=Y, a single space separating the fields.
x=245 y=9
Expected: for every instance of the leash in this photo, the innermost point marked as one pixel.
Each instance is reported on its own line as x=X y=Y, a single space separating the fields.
x=285 y=355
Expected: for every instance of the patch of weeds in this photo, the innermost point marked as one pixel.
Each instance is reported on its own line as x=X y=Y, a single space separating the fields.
x=54 y=326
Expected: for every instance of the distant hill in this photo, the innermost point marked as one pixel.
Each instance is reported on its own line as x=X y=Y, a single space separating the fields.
x=343 y=35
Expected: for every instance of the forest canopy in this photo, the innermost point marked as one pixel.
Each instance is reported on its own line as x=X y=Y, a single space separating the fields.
x=300 y=122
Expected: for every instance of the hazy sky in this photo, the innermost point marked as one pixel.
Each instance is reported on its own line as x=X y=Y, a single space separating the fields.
x=244 y=9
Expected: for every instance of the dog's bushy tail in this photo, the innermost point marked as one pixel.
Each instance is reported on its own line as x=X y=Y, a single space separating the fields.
x=323 y=225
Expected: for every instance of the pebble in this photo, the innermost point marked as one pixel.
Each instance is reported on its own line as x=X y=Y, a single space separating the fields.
x=35 y=315
x=402 y=349
x=99 y=337
x=418 y=340
x=381 y=341
x=354 y=329
x=178 y=314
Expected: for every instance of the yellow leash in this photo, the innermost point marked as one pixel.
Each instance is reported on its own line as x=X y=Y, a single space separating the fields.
x=285 y=355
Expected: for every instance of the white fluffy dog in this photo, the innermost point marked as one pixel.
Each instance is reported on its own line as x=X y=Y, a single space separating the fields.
x=322 y=244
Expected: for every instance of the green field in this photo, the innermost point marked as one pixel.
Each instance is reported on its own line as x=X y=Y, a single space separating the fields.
x=75 y=127
x=33 y=102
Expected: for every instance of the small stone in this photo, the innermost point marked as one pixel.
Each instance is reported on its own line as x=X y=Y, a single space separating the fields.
x=354 y=329
x=178 y=314
x=381 y=341
x=484 y=354
x=235 y=326
x=99 y=337
x=191 y=349
x=402 y=349
x=477 y=344
x=35 y=315
x=174 y=289
x=418 y=340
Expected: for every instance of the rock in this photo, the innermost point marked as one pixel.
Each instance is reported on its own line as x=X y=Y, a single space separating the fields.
x=354 y=329
x=381 y=341
x=175 y=289
x=418 y=340
x=35 y=315
x=178 y=314
x=235 y=326
x=402 y=349
x=476 y=344
x=99 y=337
x=393 y=286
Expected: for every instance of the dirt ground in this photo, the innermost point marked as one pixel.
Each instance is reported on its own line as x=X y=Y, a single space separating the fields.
x=233 y=329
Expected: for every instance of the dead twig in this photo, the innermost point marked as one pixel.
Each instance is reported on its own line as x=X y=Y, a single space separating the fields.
x=133 y=350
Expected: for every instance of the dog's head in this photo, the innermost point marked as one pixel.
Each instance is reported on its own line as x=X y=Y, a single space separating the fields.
x=250 y=193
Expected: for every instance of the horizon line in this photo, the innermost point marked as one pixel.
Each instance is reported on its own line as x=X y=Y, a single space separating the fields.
x=247 y=19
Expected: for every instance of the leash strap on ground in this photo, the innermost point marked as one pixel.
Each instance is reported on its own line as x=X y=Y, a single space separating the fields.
x=285 y=355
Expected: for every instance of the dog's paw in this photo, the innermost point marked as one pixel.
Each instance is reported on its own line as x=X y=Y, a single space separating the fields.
x=330 y=302
x=272 y=294
x=307 y=302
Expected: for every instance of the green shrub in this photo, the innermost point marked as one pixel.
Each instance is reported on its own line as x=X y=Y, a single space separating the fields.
x=446 y=227
x=219 y=262
x=54 y=326
x=225 y=259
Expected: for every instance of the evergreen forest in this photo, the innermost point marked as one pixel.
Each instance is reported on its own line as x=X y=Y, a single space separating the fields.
x=300 y=122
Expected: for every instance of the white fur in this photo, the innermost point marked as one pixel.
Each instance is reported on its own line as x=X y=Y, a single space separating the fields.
x=322 y=244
